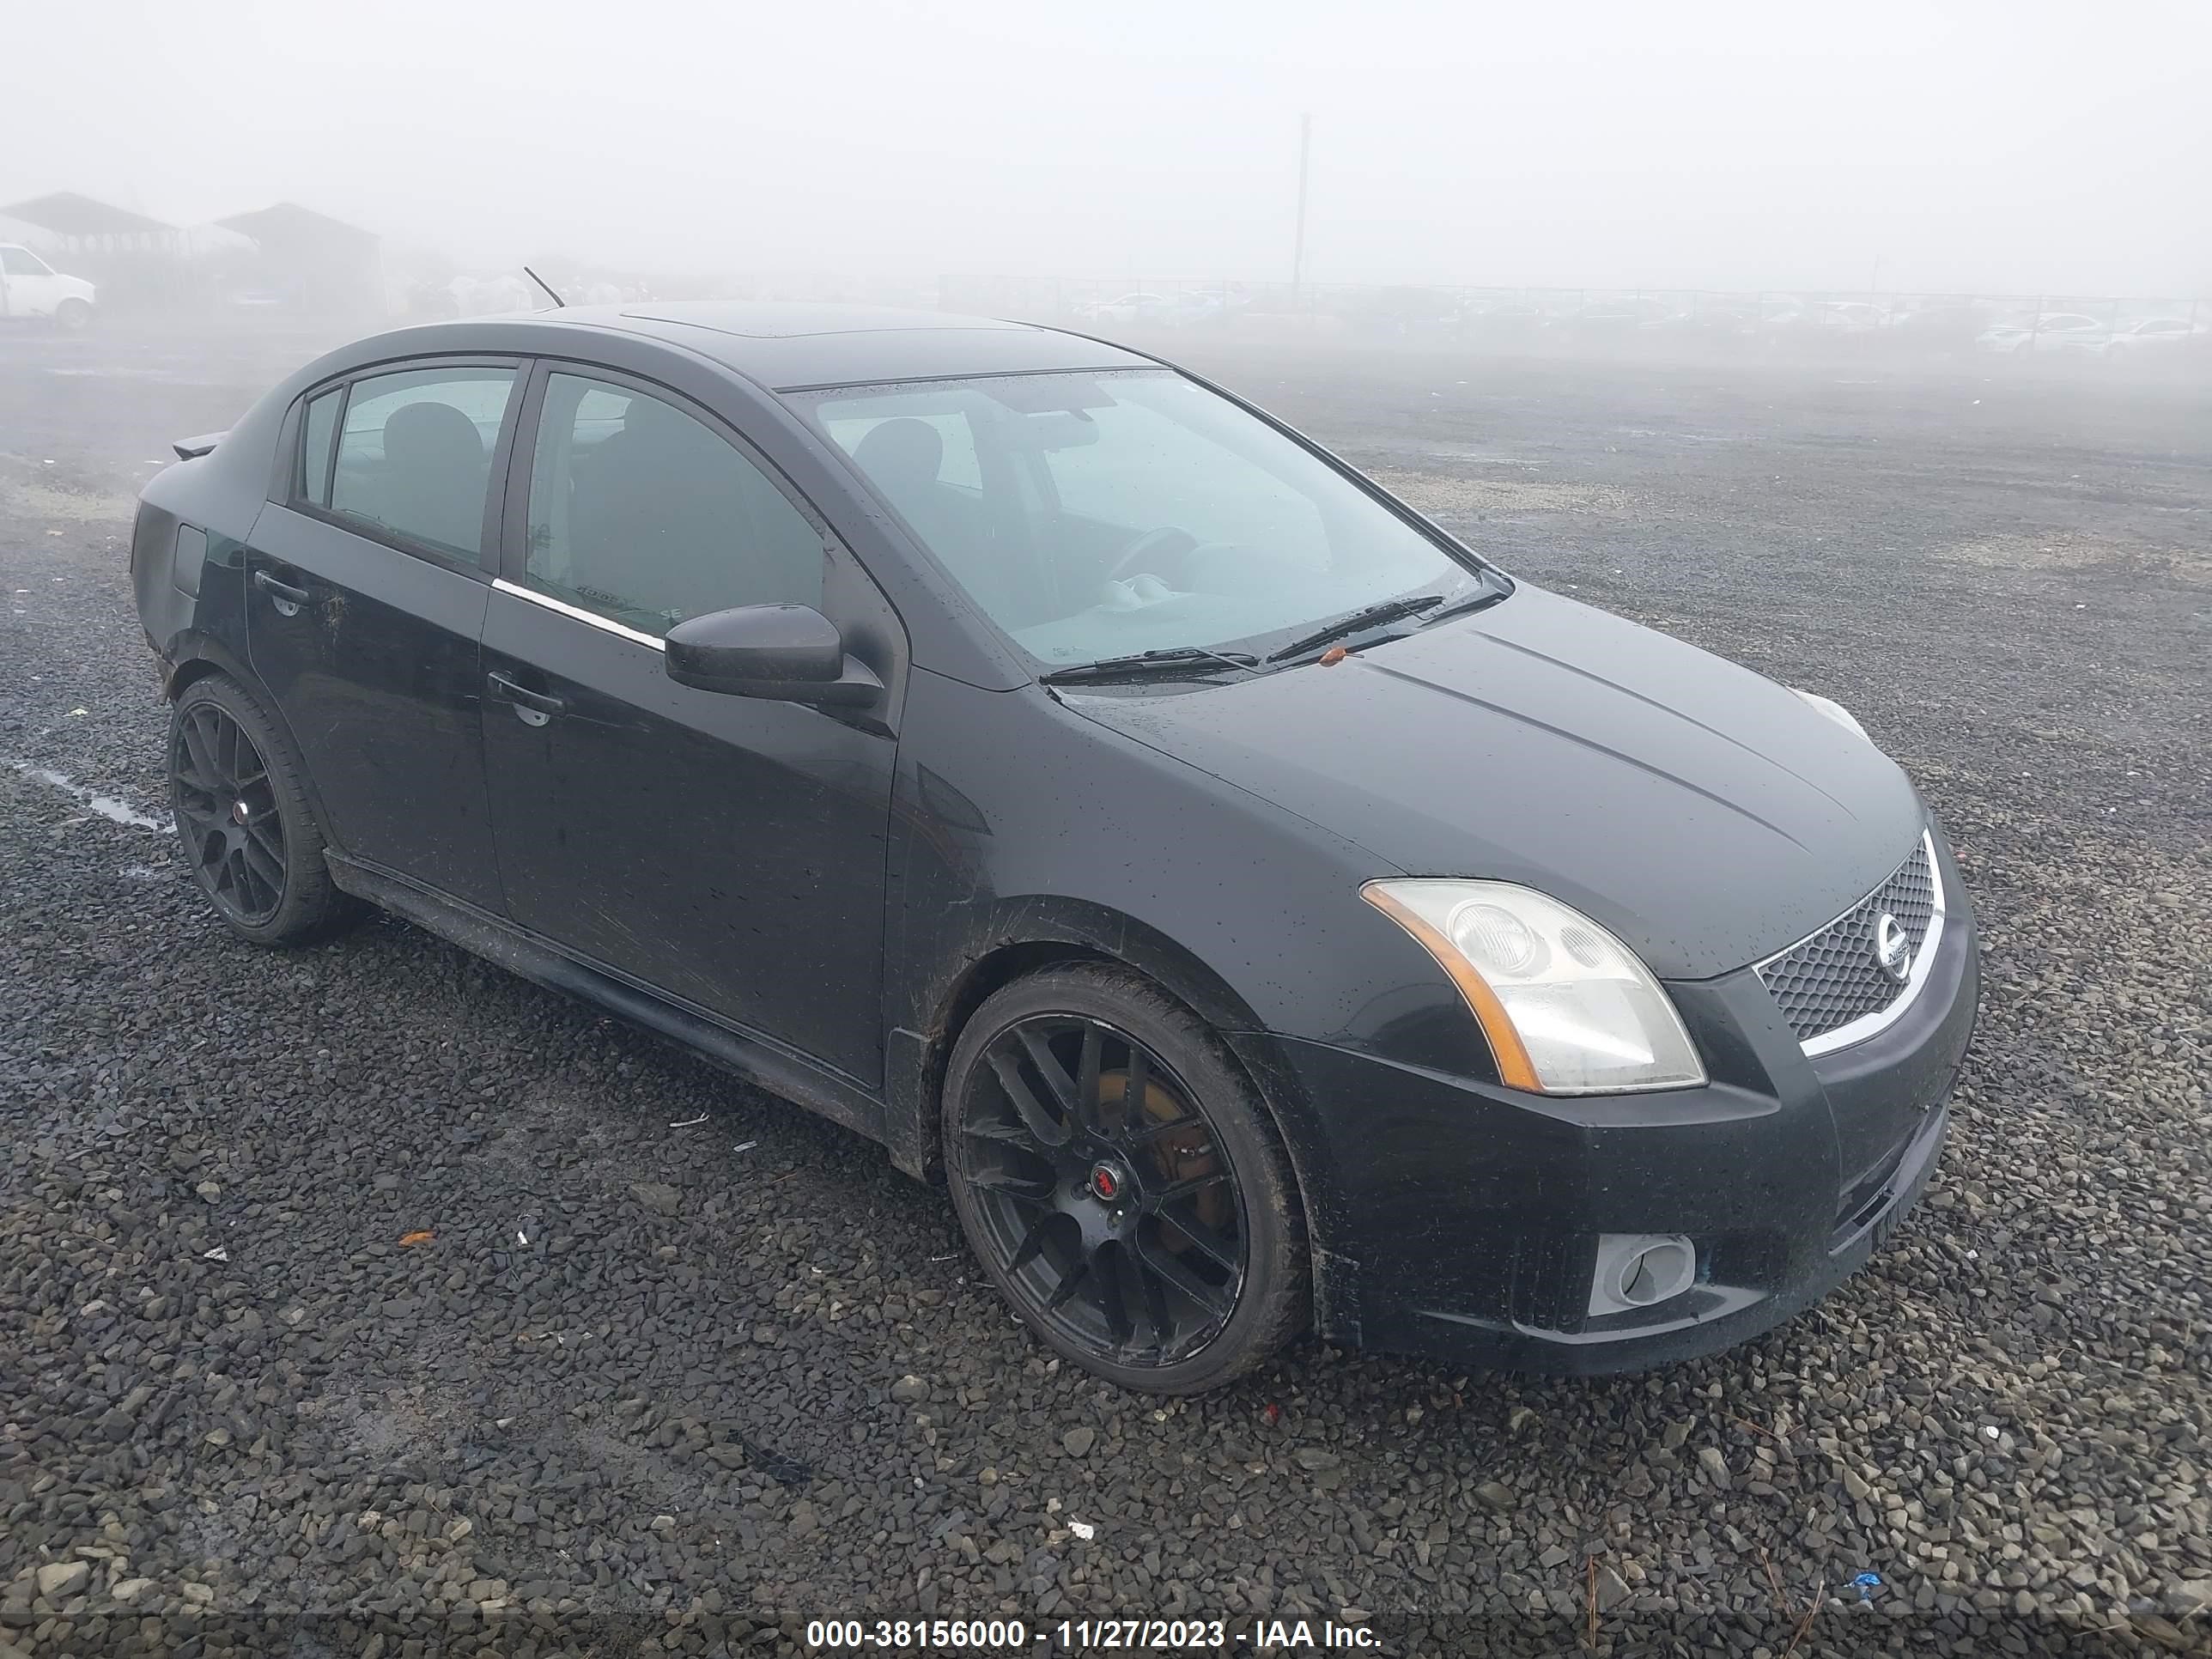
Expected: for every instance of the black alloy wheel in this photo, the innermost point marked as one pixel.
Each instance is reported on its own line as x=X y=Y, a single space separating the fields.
x=227 y=814
x=1139 y=1219
x=249 y=836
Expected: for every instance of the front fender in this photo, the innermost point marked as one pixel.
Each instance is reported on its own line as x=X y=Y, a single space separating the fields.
x=1023 y=833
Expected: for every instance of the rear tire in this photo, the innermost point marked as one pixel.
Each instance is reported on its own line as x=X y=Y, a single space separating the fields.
x=1132 y=1202
x=249 y=836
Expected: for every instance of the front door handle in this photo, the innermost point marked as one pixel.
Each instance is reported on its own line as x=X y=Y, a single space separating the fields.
x=527 y=702
x=283 y=591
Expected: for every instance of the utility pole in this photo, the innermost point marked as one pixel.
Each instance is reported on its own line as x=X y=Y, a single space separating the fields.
x=1298 y=251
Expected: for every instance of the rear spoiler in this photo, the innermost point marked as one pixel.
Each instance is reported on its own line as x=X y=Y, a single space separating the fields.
x=191 y=449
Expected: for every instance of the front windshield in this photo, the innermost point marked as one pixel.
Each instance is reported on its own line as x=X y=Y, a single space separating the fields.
x=1097 y=515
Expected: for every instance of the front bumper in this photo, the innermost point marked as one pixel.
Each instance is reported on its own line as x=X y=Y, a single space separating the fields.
x=1461 y=1219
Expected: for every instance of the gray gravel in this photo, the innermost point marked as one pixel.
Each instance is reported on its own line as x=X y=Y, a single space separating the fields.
x=641 y=1388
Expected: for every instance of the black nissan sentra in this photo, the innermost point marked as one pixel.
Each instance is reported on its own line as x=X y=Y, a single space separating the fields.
x=1265 y=914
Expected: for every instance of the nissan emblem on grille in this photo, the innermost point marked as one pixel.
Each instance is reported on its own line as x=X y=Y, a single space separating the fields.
x=1861 y=964
x=1891 y=949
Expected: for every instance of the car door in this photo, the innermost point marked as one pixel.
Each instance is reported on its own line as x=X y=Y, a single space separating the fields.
x=366 y=587
x=726 y=851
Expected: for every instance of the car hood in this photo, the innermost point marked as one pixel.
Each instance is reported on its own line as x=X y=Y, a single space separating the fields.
x=1706 y=815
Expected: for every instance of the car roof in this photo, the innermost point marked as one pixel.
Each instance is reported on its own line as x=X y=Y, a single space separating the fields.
x=791 y=347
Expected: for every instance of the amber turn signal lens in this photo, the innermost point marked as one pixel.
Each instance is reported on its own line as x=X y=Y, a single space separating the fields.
x=1514 y=1069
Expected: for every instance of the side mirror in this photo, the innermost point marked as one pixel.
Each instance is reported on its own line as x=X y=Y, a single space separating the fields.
x=785 y=653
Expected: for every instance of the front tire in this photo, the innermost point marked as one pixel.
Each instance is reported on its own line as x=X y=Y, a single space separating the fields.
x=1121 y=1182
x=239 y=795
x=72 y=316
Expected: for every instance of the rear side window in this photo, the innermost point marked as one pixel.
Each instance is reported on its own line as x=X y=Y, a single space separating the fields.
x=414 y=456
x=647 y=516
x=316 y=432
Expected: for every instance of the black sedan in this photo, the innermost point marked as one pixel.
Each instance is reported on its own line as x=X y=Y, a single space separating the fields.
x=1264 y=914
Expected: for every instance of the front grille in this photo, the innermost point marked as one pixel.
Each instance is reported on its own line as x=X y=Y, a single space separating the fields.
x=1825 y=982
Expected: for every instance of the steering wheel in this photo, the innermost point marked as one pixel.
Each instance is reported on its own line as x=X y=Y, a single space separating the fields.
x=1166 y=541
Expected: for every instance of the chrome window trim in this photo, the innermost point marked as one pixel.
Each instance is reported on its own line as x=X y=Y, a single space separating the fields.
x=1923 y=964
x=608 y=624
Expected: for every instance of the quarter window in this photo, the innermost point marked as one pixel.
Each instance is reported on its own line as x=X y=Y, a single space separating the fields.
x=415 y=454
x=646 y=516
x=315 y=434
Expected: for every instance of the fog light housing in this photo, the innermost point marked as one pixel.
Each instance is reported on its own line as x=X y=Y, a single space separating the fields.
x=1640 y=1270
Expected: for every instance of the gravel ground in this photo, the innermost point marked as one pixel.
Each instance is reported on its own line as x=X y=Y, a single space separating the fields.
x=370 y=1301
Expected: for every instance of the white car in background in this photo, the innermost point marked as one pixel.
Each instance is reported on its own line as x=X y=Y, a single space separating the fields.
x=2157 y=336
x=30 y=287
x=1853 y=316
x=1126 y=309
x=2054 y=330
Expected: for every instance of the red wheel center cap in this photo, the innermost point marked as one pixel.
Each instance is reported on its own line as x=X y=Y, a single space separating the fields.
x=1105 y=1183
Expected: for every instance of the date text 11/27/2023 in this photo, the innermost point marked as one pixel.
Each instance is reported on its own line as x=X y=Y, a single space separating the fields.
x=1090 y=1635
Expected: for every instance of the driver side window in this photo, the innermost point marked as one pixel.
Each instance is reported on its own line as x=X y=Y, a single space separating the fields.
x=644 y=515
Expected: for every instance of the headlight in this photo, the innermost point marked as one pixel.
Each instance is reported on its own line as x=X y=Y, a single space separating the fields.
x=1567 y=1007
x=1834 y=711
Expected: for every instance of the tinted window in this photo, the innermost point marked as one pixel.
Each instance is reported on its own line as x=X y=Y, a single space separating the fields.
x=315 y=434
x=415 y=455
x=1129 y=511
x=21 y=261
x=1148 y=466
x=956 y=455
x=646 y=515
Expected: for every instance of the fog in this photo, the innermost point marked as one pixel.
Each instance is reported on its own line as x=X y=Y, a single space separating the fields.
x=2020 y=148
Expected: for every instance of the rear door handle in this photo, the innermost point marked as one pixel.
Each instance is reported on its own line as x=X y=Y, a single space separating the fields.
x=526 y=701
x=283 y=592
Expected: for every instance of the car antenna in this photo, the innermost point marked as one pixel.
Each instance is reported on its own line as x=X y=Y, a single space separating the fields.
x=547 y=286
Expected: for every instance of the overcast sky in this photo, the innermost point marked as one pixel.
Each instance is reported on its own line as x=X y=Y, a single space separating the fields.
x=2024 y=147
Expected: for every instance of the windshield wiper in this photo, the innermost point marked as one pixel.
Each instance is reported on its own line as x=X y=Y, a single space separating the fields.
x=1481 y=600
x=1373 y=616
x=1168 y=660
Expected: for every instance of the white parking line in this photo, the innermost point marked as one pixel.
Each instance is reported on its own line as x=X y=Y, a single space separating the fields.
x=119 y=811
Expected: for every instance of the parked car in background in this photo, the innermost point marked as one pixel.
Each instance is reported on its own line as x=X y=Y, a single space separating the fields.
x=1850 y=316
x=1501 y=319
x=1718 y=317
x=31 y=290
x=1265 y=914
x=2056 y=331
x=1400 y=312
x=1190 y=308
x=2159 y=336
x=1126 y=309
x=1609 y=319
x=1200 y=309
x=1780 y=323
x=1819 y=324
x=1939 y=329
